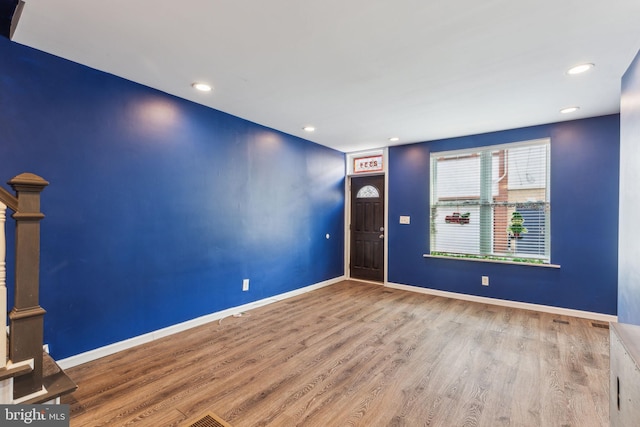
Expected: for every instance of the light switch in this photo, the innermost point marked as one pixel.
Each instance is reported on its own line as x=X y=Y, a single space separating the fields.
x=405 y=219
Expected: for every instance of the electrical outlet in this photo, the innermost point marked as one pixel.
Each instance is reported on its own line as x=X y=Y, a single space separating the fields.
x=245 y=285
x=485 y=280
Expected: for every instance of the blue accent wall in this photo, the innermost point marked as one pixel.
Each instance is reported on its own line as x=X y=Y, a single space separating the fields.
x=158 y=207
x=584 y=221
x=629 y=265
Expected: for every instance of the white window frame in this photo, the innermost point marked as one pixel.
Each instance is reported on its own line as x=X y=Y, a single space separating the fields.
x=485 y=250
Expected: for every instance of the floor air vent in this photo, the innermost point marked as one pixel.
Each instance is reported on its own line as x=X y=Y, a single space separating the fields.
x=564 y=322
x=600 y=325
x=208 y=420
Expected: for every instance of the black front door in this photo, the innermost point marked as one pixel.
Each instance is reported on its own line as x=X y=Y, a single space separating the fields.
x=367 y=228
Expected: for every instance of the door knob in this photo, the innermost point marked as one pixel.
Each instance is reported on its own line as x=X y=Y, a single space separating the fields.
x=381 y=236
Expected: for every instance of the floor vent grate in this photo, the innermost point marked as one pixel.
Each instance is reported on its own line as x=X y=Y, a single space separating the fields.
x=208 y=420
x=600 y=325
x=564 y=322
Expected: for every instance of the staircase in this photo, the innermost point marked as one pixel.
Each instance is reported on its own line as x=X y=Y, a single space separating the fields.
x=27 y=373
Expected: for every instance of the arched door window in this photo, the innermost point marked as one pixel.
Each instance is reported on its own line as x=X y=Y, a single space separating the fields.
x=368 y=192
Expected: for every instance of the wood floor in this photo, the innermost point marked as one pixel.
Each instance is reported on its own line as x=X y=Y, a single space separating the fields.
x=356 y=354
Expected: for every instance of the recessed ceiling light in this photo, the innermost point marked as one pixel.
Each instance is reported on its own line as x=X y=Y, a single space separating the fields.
x=308 y=128
x=203 y=87
x=581 y=68
x=394 y=139
x=569 y=110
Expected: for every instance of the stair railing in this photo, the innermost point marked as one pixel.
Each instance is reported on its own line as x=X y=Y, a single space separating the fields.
x=26 y=333
x=3 y=287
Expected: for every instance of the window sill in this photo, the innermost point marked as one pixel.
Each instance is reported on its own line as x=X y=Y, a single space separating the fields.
x=493 y=261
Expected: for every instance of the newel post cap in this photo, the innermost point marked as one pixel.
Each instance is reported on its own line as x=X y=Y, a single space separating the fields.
x=28 y=181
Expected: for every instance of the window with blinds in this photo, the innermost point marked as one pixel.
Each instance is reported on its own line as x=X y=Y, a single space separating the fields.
x=492 y=202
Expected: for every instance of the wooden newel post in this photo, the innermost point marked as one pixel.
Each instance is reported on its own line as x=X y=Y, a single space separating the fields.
x=27 y=317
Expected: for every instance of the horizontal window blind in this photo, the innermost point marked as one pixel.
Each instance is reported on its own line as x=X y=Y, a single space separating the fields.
x=492 y=202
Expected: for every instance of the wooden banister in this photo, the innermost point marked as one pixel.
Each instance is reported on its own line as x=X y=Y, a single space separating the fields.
x=8 y=199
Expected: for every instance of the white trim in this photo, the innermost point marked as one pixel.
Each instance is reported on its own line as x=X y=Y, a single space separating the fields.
x=6 y=391
x=493 y=261
x=97 y=353
x=385 y=261
x=347 y=222
x=347 y=201
x=506 y=303
x=498 y=146
x=42 y=392
x=351 y=156
x=18 y=365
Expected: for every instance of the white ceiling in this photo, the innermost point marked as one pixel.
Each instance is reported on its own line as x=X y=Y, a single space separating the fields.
x=360 y=71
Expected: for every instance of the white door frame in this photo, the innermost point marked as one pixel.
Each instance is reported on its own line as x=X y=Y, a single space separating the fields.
x=347 y=211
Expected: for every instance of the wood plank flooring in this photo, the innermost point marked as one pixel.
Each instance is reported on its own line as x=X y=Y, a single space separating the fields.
x=357 y=354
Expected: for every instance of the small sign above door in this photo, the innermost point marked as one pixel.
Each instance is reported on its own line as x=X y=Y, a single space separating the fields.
x=367 y=164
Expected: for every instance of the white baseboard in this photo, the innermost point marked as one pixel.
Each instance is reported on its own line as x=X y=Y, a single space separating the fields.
x=506 y=303
x=97 y=353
